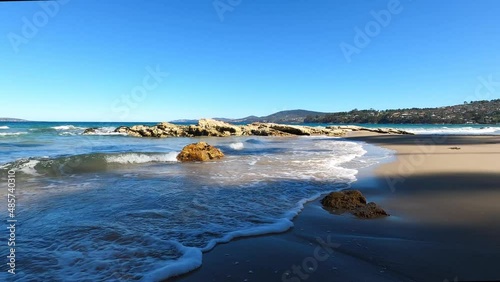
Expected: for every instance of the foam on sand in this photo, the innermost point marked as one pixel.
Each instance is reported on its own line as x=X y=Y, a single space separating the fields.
x=190 y=260
x=192 y=257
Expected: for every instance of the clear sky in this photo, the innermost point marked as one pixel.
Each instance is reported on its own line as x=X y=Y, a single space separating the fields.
x=91 y=60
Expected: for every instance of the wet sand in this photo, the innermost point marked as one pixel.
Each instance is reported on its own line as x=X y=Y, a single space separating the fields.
x=444 y=223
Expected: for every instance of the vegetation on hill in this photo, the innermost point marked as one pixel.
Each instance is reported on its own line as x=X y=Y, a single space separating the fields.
x=481 y=112
x=292 y=116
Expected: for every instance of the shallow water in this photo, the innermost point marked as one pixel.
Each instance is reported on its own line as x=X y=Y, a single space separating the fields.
x=115 y=208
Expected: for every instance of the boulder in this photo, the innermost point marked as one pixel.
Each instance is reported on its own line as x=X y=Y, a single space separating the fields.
x=263 y=129
x=200 y=151
x=127 y=130
x=167 y=126
x=344 y=200
x=354 y=202
x=218 y=128
x=370 y=210
x=291 y=129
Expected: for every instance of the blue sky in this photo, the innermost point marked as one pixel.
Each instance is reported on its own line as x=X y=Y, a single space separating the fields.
x=89 y=60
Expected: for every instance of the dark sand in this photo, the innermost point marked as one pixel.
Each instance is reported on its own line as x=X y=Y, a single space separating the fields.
x=444 y=223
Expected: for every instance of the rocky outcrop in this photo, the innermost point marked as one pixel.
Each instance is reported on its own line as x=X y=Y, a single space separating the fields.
x=200 y=151
x=91 y=130
x=215 y=128
x=354 y=202
x=375 y=130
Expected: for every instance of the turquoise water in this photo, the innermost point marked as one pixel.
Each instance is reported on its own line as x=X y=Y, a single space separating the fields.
x=485 y=129
x=109 y=207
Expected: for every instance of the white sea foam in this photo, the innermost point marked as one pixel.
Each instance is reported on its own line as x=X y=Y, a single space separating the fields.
x=458 y=130
x=28 y=167
x=66 y=133
x=4 y=127
x=140 y=158
x=190 y=260
x=12 y=133
x=106 y=131
x=237 y=146
x=67 y=127
x=192 y=257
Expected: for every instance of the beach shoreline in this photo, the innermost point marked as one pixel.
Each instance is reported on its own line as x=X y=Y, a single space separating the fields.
x=440 y=192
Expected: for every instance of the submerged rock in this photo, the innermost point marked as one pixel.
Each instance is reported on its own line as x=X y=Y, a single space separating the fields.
x=200 y=151
x=352 y=201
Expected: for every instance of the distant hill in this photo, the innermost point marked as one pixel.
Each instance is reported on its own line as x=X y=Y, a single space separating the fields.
x=480 y=112
x=11 y=119
x=292 y=116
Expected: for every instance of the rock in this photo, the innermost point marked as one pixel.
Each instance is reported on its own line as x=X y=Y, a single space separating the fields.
x=210 y=127
x=127 y=130
x=200 y=151
x=92 y=130
x=352 y=201
x=291 y=129
x=263 y=129
x=375 y=130
x=220 y=127
x=344 y=200
x=370 y=210
x=387 y=131
x=166 y=126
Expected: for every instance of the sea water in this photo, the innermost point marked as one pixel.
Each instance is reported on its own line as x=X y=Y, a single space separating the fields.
x=108 y=207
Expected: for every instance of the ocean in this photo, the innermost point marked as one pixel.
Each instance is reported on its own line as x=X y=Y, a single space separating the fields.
x=109 y=207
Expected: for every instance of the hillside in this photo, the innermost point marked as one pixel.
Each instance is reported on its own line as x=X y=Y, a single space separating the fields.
x=481 y=112
x=292 y=116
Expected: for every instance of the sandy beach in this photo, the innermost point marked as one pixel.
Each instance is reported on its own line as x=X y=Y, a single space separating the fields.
x=442 y=193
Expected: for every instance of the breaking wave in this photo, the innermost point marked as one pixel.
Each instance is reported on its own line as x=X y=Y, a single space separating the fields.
x=85 y=163
x=237 y=146
x=67 y=127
